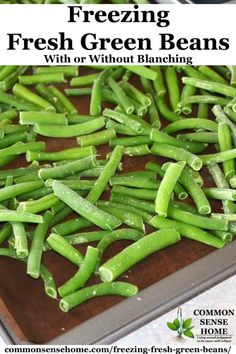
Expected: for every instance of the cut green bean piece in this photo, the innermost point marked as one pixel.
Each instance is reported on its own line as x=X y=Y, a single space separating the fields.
x=67 y=169
x=178 y=154
x=221 y=117
x=24 y=93
x=134 y=182
x=191 y=123
x=18 y=149
x=18 y=189
x=64 y=101
x=70 y=226
x=218 y=157
x=61 y=246
x=58 y=131
x=16 y=216
x=139 y=150
x=12 y=139
x=204 y=137
x=211 y=86
x=96 y=96
x=172 y=86
x=5 y=232
x=86 y=237
x=99 y=138
x=142 y=71
x=121 y=96
x=80 y=296
x=128 y=218
x=67 y=154
x=187 y=91
x=133 y=141
x=225 y=144
x=20 y=239
x=41 y=79
x=35 y=254
x=84 y=80
x=211 y=74
x=85 y=208
x=84 y=273
x=127 y=120
x=137 y=95
x=165 y=111
x=220 y=194
x=66 y=70
x=43 y=118
x=163 y=138
x=166 y=188
x=106 y=174
x=189 y=231
x=137 y=252
x=200 y=99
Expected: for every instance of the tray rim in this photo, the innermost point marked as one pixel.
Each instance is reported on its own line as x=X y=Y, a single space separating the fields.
x=110 y=326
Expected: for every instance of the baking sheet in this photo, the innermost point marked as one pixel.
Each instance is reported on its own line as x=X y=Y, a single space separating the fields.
x=32 y=317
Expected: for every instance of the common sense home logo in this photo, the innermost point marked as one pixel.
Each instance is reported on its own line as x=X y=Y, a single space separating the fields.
x=180 y=326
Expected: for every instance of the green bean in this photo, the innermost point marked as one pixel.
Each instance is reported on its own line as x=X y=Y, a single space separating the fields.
x=67 y=169
x=225 y=144
x=193 y=73
x=66 y=70
x=224 y=217
x=92 y=172
x=6 y=71
x=16 y=216
x=5 y=232
x=80 y=118
x=61 y=246
x=189 y=231
x=136 y=252
x=232 y=70
x=163 y=138
x=232 y=182
x=84 y=80
x=127 y=74
x=78 y=185
x=134 y=202
x=203 y=110
x=142 y=71
x=220 y=194
x=20 y=239
x=41 y=79
x=47 y=118
x=18 y=189
x=38 y=205
x=96 y=96
x=10 y=80
x=218 y=157
x=172 y=86
x=178 y=154
x=202 y=100
x=85 y=91
x=152 y=110
x=127 y=120
x=210 y=86
x=47 y=94
x=12 y=139
x=35 y=254
x=139 y=150
x=60 y=97
x=137 y=95
x=191 y=123
x=166 y=188
x=23 y=93
x=165 y=111
x=178 y=189
x=10 y=114
x=143 y=214
x=133 y=141
x=107 y=173
x=211 y=74
x=222 y=70
x=226 y=237
x=67 y=154
x=197 y=220
x=58 y=131
x=221 y=117
x=70 y=226
x=120 y=128
x=204 y=137
x=123 y=99
x=231 y=114
x=99 y=138
x=17 y=172
x=114 y=236
x=60 y=216
x=83 y=274
x=140 y=193
x=134 y=182
x=187 y=91
x=17 y=103
x=85 y=294
x=140 y=173
x=127 y=217
x=18 y=149
x=85 y=208
x=86 y=237
x=118 y=73
x=159 y=82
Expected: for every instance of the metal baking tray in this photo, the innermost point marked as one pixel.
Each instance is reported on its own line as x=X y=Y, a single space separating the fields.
x=165 y=279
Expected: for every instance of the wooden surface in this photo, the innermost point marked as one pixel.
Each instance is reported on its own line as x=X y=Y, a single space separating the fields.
x=35 y=317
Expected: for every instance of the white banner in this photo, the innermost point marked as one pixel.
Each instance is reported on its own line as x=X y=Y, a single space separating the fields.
x=124 y=34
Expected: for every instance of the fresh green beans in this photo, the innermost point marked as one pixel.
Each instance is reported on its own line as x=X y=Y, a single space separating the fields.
x=89 y=211
x=166 y=188
x=67 y=154
x=22 y=148
x=186 y=230
x=66 y=70
x=47 y=118
x=142 y=71
x=63 y=100
x=20 y=240
x=41 y=79
x=99 y=138
x=84 y=273
x=80 y=296
x=191 y=123
x=121 y=96
x=172 y=86
x=225 y=143
x=96 y=96
x=211 y=86
x=136 y=252
x=16 y=216
x=67 y=131
x=177 y=154
x=61 y=246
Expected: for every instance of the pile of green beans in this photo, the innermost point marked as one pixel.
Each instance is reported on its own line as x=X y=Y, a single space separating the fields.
x=134 y=111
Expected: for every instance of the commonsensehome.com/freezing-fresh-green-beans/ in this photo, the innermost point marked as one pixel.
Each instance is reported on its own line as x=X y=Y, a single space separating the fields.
x=71 y=168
